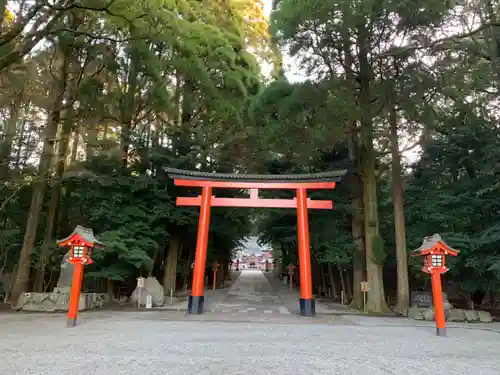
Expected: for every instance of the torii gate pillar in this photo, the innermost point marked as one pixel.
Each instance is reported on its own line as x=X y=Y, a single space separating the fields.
x=196 y=299
x=307 y=304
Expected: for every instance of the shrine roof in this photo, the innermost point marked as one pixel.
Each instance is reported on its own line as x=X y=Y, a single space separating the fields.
x=331 y=176
x=432 y=242
x=86 y=234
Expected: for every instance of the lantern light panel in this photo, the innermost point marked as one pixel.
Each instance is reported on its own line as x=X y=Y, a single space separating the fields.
x=437 y=260
x=78 y=251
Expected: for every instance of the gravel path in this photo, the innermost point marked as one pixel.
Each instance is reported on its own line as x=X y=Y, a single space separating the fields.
x=141 y=343
x=173 y=343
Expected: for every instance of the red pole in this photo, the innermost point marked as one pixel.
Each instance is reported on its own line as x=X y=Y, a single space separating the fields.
x=195 y=304
x=74 y=300
x=307 y=306
x=437 y=294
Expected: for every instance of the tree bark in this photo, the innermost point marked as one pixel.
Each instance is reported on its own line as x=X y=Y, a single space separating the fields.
x=10 y=133
x=188 y=267
x=3 y=8
x=324 y=289
x=403 y=288
x=110 y=289
x=22 y=131
x=170 y=275
x=129 y=102
x=335 y=294
x=342 y=282
x=348 y=285
x=74 y=145
x=222 y=260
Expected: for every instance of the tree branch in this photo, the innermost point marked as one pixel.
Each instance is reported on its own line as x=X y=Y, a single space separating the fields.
x=405 y=49
x=95 y=37
x=105 y=8
x=11 y=197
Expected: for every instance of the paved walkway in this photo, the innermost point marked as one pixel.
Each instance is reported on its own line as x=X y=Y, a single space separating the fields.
x=212 y=297
x=252 y=294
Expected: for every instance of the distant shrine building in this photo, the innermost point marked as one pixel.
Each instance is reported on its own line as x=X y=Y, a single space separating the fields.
x=246 y=260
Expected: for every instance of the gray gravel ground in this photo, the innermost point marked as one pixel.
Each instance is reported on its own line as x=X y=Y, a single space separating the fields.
x=239 y=336
x=171 y=343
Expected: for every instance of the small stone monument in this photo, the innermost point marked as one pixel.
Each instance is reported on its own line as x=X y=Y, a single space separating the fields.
x=150 y=287
x=65 y=276
x=149 y=301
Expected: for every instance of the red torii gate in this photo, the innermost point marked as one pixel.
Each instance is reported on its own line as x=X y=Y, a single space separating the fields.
x=300 y=183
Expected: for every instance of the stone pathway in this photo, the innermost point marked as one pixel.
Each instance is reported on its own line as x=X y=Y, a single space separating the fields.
x=252 y=295
x=212 y=297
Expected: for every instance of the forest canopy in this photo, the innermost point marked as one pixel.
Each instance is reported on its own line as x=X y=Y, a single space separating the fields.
x=98 y=97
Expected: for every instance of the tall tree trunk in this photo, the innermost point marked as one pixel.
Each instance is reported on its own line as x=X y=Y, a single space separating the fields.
x=3 y=8
x=323 y=280
x=358 y=236
x=10 y=133
x=490 y=15
x=332 y=281
x=403 y=288
x=221 y=259
x=348 y=285
x=91 y=136
x=129 y=101
x=187 y=271
x=170 y=275
x=314 y=275
x=357 y=225
x=22 y=131
x=74 y=145
x=374 y=257
x=23 y=273
x=110 y=289
x=342 y=282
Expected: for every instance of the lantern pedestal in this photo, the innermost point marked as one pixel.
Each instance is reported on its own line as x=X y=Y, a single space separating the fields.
x=437 y=294
x=195 y=305
x=74 y=301
x=307 y=307
x=70 y=323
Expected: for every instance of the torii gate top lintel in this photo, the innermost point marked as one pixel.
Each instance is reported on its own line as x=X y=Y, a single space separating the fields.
x=323 y=180
x=254 y=182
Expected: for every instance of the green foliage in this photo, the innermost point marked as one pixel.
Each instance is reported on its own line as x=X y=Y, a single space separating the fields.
x=161 y=83
x=130 y=214
x=299 y=115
